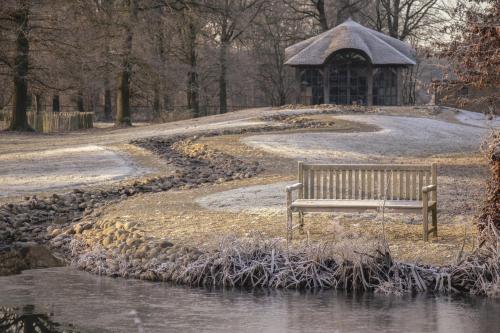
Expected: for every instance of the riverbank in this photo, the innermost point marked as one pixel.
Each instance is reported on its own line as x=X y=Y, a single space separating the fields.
x=78 y=228
x=54 y=219
x=92 y=304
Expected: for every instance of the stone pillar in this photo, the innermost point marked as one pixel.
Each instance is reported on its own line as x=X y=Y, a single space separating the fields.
x=326 y=85
x=298 y=86
x=369 y=84
x=399 y=86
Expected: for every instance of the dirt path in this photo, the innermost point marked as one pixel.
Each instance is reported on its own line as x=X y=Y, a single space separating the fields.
x=31 y=163
x=246 y=207
x=399 y=137
x=63 y=167
x=15 y=142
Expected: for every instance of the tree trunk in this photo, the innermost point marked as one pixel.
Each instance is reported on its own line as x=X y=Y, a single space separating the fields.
x=123 y=88
x=193 y=97
x=38 y=103
x=166 y=102
x=156 y=101
x=107 y=103
x=393 y=12
x=282 y=98
x=193 y=85
x=19 y=121
x=56 y=105
x=222 y=79
x=323 y=22
x=123 y=99
x=108 y=107
x=159 y=85
x=123 y=117
x=79 y=103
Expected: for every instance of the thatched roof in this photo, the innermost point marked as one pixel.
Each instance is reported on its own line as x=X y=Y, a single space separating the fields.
x=381 y=49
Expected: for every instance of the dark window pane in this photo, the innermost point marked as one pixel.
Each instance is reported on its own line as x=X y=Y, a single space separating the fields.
x=384 y=86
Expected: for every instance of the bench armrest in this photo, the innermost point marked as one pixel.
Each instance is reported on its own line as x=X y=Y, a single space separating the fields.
x=429 y=188
x=294 y=187
x=289 y=190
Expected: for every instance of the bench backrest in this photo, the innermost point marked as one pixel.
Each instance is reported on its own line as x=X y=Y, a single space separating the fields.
x=365 y=181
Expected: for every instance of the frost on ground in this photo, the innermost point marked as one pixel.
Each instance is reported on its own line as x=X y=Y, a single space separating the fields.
x=476 y=119
x=52 y=169
x=267 y=198
x=32 y=163
x=399 y=137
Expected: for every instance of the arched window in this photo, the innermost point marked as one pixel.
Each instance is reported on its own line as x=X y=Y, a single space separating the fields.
x=311 y=82
x=385 y=82
x=349 y=57
x=348 y=77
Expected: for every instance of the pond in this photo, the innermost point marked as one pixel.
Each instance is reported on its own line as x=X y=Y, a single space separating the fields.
x=86 y=303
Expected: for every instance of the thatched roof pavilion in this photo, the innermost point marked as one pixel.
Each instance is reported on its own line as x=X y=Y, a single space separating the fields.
x=350 y=64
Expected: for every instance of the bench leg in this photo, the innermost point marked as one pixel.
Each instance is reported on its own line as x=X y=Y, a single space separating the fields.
x=425 y=213
x=301 y=222
x=434 y=221
x=289 y=224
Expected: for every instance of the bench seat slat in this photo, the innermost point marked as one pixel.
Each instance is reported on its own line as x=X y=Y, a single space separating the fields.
x=401 y=187
x=367 y=204
x=357 y=187
x=330 y=180
x=376 y=167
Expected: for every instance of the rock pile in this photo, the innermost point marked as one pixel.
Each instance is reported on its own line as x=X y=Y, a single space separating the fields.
x=300 y=121
x=122 y=249
x=59 y=219
x=62 y=219
x=196 y=163
x=24 y=222
x=327 y=107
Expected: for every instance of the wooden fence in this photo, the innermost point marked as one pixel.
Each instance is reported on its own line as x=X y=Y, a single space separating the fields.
x=49 y=122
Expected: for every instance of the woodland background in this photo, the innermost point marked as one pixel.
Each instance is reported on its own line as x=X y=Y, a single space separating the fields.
x=154 y=60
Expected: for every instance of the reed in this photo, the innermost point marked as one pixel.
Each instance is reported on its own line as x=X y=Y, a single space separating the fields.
x=347 y=264
x=254 y=264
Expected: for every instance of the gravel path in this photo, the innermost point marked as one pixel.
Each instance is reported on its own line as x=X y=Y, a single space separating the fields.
x=398 y=137
x=259 y=199
x=32 y=163
x=63 y=167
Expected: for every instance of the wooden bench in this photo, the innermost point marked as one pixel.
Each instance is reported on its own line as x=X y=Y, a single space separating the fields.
x=359 y=187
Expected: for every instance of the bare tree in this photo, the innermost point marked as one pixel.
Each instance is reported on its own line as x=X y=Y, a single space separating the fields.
x=103 y=16
x=123 y=117
x=20 y=17
x=26 y=26
x=345 y=9
x=15 y=29
x=190 y=23
x=310 y=9
x=401 y=19
x=229 y=20
x=277 y=27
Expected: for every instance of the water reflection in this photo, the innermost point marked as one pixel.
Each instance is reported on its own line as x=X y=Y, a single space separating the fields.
x=27 y=320
x=100 y=304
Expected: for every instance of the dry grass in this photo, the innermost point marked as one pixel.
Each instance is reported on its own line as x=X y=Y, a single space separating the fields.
x=351 y=252
x=176 y=216
x=250 y=262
